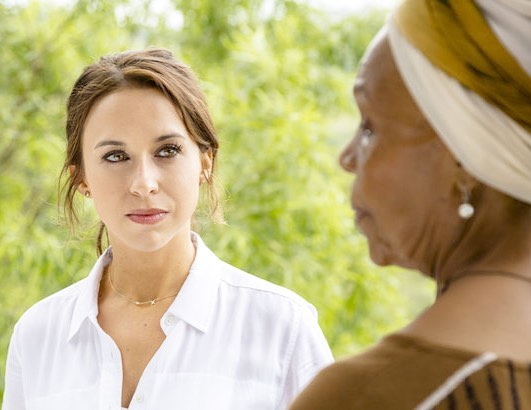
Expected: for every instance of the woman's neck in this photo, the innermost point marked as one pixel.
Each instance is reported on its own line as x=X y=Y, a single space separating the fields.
x=481 y=313
x=489 y=244
x=148 y=275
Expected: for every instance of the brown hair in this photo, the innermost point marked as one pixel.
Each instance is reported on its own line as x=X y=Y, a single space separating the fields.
x=150 y=68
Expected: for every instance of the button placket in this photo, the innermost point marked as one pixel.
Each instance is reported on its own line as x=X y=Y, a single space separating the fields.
x=170 y=320
x=139 y=398
x=111 y=376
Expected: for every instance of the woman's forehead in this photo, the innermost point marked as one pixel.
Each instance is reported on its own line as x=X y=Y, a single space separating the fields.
x=378 y=70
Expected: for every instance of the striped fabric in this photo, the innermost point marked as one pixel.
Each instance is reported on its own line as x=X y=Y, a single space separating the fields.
x=498 y=387
x=495 y=387
x=455 y=379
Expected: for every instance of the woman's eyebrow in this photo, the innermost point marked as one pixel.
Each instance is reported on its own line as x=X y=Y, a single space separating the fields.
x=169 y=136
x=121 y=144
x=109 y=142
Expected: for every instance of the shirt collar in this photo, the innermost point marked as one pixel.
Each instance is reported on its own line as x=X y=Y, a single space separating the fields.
x=198 y=296
x=194 y=304
x=86 y=306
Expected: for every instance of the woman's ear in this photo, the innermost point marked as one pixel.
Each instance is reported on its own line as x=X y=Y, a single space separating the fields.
x=82 y=186
x=207 y=159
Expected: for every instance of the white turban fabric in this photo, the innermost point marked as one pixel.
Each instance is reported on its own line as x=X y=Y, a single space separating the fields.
x=490 y=144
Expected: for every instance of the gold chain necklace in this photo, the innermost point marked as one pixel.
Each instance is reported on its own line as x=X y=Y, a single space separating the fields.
x=486 y=272
x=150 y=302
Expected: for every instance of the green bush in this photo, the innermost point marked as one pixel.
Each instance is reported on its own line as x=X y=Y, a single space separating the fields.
x=278 y=83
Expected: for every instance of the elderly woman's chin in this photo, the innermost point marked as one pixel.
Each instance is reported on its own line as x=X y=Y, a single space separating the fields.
x=383 y=253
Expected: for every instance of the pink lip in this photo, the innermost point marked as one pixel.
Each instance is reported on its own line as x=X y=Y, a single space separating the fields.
x=147 y=216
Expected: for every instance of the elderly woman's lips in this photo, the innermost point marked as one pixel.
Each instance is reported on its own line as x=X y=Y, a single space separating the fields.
x=360 y=214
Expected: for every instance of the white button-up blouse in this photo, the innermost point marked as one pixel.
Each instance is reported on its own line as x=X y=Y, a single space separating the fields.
x=233 y=341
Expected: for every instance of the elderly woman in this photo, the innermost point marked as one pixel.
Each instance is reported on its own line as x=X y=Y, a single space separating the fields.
x=443 y=184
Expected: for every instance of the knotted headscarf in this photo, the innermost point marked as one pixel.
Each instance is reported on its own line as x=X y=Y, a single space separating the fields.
x=467 y=64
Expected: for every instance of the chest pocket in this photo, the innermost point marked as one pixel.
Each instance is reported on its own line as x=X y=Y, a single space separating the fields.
x=81 y=399
x=206 y=392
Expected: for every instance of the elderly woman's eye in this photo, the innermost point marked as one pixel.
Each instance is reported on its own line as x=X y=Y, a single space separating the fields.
x=365 y=137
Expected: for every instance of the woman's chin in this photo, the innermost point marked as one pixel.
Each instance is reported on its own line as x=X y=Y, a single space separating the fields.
x=144 y=244
x=381 y=255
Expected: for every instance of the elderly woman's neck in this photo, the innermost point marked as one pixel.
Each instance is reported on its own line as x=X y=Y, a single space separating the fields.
x=484 y=291
x=498 y=239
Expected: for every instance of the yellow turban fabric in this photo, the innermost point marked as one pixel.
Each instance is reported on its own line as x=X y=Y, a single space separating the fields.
x=455 y=37
x=473 y=88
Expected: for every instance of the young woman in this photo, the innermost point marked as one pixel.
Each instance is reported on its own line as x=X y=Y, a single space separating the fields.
x=160 y=322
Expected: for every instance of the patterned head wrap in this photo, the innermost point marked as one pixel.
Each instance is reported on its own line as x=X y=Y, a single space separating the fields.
x=467 y=64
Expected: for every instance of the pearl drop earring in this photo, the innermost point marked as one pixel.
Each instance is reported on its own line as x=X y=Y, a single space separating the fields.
x=465 y=209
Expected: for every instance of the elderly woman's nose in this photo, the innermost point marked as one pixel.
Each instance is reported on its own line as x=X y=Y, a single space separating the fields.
x=347 y=158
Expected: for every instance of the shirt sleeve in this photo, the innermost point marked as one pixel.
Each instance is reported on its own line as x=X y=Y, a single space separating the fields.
x=310 y=354
x=14 y=391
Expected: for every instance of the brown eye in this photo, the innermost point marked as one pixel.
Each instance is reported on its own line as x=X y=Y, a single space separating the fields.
x=115 y=156
x=169 y=151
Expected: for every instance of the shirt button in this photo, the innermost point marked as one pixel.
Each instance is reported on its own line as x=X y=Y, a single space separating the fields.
x=170 y=320
x=139 y=398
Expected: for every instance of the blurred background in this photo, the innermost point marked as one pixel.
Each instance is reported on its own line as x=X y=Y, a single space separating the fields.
x=278 y=76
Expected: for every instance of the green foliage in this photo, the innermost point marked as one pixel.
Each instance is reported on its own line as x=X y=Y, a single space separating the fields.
x=278 y=83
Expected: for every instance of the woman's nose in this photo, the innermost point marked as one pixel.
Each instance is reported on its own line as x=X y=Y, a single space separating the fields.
x=144 y=180
x=347 y=158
